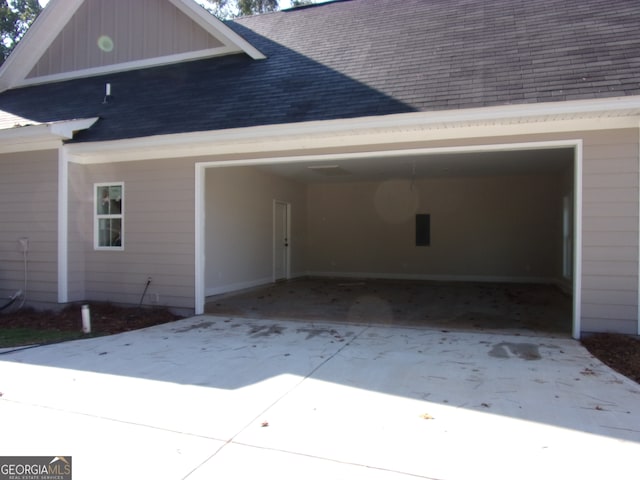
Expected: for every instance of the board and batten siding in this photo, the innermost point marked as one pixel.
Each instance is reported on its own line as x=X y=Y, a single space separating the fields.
x=139 y=30
x=610 y=231
x=158 y=235
x=29 y=209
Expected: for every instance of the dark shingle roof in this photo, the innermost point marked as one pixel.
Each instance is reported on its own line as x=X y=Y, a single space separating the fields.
x=367 y=57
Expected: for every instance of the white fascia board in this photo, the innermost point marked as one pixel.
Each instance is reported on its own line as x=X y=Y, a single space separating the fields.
x=35 y=42
x=133 y=65
x=41 y=137
x=215 y=27
x=370 y=131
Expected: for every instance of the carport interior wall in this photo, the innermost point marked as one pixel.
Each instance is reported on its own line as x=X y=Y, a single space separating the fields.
x=491 y=228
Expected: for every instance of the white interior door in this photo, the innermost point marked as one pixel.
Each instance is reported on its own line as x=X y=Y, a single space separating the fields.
x=281 y=240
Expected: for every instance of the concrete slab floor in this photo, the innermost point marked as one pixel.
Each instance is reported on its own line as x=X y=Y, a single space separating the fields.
x=451 y=305
x=219 y=397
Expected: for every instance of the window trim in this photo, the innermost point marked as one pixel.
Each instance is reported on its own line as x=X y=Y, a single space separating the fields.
x=97 y=217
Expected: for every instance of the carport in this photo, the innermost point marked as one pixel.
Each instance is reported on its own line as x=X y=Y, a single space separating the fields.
x=432 y=221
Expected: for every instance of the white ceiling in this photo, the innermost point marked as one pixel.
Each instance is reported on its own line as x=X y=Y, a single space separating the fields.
x=523 y=162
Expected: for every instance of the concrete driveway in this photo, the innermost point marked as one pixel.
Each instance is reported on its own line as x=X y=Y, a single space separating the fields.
x=213 y=397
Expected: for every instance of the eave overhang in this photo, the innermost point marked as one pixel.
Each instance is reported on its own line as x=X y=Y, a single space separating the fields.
x=368 y=132
x=41 y=136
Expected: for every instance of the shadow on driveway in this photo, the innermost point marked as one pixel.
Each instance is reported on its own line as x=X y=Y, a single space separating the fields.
x=378 y=396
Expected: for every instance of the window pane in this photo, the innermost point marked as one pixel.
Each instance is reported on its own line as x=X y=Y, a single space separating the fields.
x=110 y=232
x=103 y=201
x=115 y=196
x=116 y=232
x=104 y=232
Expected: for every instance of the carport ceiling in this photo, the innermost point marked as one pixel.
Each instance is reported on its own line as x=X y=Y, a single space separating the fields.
x=473 y=164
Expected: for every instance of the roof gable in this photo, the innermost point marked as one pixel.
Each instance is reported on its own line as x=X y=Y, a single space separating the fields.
x=365 y=58
x=80 y=38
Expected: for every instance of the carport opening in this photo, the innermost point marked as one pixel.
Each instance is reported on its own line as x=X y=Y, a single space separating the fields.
x=496 y=252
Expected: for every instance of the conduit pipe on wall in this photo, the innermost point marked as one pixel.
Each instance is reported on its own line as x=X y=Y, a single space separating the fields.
x=24 y=247
x=12 y=299
x=145 y=291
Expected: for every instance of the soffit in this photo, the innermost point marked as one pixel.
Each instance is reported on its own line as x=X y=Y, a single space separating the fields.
x=436 y=165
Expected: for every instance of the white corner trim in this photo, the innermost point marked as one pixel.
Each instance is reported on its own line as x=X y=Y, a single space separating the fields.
x=63 y=226
x=577 y=240
x=200 y=226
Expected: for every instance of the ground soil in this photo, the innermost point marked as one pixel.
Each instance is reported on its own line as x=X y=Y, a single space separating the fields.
x=620 y=352
x=105 y=318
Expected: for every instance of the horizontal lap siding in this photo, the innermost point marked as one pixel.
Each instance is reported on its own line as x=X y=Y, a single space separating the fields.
x=78 y=233
x=610 y=231
x=29 y=208
x=159 y=235
x=159 y=223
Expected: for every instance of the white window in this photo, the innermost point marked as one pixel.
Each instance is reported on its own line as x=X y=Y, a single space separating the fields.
x=109 y=216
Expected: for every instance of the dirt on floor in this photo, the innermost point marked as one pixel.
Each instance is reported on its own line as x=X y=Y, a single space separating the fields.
x=445 y=305
x=620 y=352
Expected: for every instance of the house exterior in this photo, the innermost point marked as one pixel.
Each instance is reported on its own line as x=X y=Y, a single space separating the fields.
x=148 y=144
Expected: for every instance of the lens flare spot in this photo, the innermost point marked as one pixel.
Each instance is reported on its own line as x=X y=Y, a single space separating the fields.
x=396 y=201
x=105 y=43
